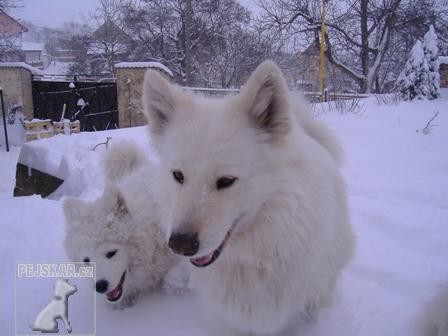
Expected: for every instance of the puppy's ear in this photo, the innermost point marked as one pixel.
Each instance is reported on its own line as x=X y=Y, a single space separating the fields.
x=74 y=210
x=265 y=99
x=114 y=202
x=159 y=101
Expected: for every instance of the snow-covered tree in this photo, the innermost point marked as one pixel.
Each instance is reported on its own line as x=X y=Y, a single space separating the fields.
x=431 y=50
x=413 y=80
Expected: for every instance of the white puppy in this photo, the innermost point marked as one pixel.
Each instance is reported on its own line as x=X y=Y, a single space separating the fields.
x=120 y=230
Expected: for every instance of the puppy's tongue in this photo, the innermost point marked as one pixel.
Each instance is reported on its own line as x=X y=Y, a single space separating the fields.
x=202 y=260
x=114 y=294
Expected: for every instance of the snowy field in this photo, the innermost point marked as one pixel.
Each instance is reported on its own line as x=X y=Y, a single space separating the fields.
x=398 y=188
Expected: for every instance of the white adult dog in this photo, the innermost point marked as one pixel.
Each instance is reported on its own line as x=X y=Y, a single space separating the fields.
x=435 y=315
x=56 y=309
x=250 y=190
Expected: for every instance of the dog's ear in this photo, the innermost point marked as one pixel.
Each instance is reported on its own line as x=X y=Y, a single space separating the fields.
x=114 y=201
x=74 y=210
x=265 y=99
x=159 y=101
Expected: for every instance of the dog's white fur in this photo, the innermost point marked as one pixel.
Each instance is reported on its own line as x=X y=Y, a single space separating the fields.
x=292 y=233
x=124 y=219
x=435 y=315
x=56 y=309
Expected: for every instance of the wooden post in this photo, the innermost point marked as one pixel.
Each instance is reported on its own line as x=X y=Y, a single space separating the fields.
x=322 y=47
x=4 y=121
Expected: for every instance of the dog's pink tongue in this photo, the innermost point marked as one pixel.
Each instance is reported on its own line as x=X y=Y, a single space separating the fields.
x=203 y=260
x=114 y=294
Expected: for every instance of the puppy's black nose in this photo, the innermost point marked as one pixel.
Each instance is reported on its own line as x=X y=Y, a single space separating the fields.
x=101 y=286
x=186 y=244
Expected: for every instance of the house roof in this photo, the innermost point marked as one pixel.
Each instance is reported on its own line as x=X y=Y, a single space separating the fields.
x=156 y=65
x=110 y=31
x=312 y=49
x=9 y=25
x=32 y=46
x=23 y=65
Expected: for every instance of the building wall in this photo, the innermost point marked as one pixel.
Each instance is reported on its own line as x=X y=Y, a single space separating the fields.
x=443 y=71
x=17 y=89
x=129 y=93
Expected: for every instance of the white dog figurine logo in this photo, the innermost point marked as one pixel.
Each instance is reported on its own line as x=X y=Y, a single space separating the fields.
x=56 y=309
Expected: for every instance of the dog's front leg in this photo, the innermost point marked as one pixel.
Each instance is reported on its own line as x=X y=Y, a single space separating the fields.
x=66 y=323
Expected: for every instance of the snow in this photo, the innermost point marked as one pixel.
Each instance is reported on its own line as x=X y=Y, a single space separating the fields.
x=57 y=68
x=157 y=65
x=72 y=158
x=398 y=195
x=33 y=70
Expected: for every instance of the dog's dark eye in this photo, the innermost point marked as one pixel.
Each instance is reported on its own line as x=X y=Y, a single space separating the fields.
x=178 y=176
x=86 y=260
x=225 y=182
x=110 y=254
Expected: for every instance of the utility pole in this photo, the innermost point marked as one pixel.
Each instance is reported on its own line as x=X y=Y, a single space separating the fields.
x=322 y=49
x=188 y=14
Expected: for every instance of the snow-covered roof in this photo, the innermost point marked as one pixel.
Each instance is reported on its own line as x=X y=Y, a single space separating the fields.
x=32 y=46
x=157 y=65
x=443 y=59
x=33 y=70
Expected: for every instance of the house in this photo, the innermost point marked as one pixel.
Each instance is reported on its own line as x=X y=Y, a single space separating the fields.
x=110 y=45
x=10 y=38
x=306 y=74
x=443 y=71
x=34 y=54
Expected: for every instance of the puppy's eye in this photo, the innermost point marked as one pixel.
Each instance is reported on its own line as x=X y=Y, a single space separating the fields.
x=86 y=260
x=178 y=176
x=225 y=182
x=110 y=254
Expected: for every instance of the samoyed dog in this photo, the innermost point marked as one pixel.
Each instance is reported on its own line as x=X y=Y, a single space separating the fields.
x=435 y=315
x=250 y=191
x=120 y=230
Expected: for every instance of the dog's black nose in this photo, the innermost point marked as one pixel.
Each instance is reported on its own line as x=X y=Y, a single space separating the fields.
x=101 y=286
x=186 y=244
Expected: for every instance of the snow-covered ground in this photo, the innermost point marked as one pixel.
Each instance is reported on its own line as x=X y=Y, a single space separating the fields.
x=398 y=188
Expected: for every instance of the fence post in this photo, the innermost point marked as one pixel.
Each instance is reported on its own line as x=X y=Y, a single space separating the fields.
x=4 y=120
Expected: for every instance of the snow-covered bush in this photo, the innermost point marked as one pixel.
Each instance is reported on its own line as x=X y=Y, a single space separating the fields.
x=431 y=51
x=413 y=80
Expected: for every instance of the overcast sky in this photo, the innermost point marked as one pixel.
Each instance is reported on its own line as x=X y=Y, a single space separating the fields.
x=52 y=13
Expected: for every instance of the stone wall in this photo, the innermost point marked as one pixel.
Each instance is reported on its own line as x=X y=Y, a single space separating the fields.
x=17 y=88
x=129 y=92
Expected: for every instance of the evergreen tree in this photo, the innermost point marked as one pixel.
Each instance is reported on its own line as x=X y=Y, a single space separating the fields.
x=412 y=82
x=431 y=50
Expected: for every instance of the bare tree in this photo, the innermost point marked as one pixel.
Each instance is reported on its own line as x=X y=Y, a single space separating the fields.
x=358 y=35
x=9 y=4
x=110 y=41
